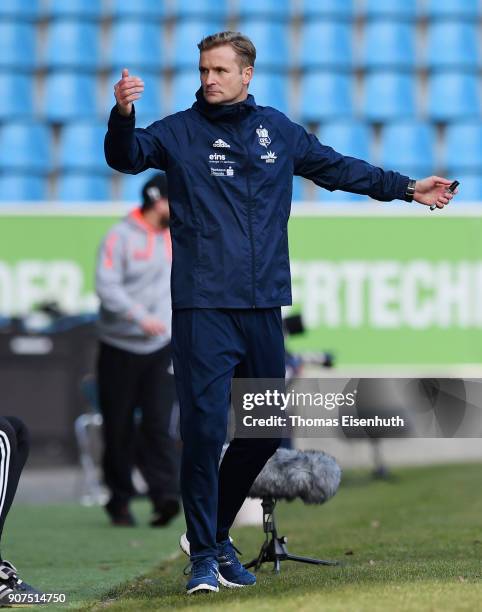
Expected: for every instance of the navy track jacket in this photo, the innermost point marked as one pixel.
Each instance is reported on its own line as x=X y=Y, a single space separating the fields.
x=230 y=172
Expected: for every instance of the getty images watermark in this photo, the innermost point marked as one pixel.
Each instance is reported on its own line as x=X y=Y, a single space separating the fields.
x=358 y=408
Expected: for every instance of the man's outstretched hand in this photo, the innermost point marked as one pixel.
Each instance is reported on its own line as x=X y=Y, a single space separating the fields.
x=126 y=91
x=433 y=190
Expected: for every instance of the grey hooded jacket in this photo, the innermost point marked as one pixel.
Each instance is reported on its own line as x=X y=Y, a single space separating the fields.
x=133 y=281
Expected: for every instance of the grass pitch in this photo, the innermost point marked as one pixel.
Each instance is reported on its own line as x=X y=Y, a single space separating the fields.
x=410 y=545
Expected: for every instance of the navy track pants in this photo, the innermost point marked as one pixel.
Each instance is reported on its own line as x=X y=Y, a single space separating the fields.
x=210 y=347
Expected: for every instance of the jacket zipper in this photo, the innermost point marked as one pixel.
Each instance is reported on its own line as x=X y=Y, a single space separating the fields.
x=250 y=226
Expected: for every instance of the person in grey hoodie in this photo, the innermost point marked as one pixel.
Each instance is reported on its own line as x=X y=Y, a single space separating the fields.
x=134 y=371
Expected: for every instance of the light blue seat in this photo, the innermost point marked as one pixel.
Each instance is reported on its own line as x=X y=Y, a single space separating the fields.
x=339 y=197
x=348 y=137
x=452 y=45
x=200 y=9
x=17 y=96
x=463 y=147
x=453 y=9
x=470 y=188
x=72 y=44
x=145 y=9
x=78 y=187
x=186 y=36
x=396 y=9
x=152 y=103
x=299 y=185
x=325 y=96
x=28 y=10
x=326 y=44
x=388 y=44
x=183 y=92
x=409 y=147
x=388 y=96
x=17 y=45
x=271 y=40
x=132 y=184
x=22 y=188
x=83 y=9
x=266 y=9
x=136 y=43
x=453 y=96
x=271 y=89
x=69 y=96
x=25 y=146
x=82 y=147
x=337 y=9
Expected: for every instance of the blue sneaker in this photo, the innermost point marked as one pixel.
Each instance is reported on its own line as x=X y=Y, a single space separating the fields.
x=204 y=576
x=232 y=573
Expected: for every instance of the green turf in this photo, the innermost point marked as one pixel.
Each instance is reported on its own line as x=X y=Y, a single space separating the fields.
x=414 y=544
x=74 y=550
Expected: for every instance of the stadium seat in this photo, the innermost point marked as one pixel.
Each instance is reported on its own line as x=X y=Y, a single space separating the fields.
x=452 y=45
x=266 y=9
x=396 y=9
x=69 y=96
x=463 y=147
x=325 y=96
x=299 y=184
x=331 y=9
x=144 y=9
x=271 y=39
x=388 y=44
x=453 y=95
x=131 y=185
x=187 y=34
x=388 y=96
x=152 y=103
x=200 y=9
x=77 y=187
x=348 y=137
x=17 y=97
x=326 y=44
x=136 y=43
x=453 y=9
x=17 y=45
x=271 y=89
x=72 y=44
x=470 y=188
x=22 y=188
x=408 y=147
x=82 y=147
x=83 y=9
x=25 y=146
x=339 y=197
x=184 y=87
x=28 y=10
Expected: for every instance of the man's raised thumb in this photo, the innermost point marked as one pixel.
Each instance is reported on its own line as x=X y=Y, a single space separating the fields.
x=125 y=73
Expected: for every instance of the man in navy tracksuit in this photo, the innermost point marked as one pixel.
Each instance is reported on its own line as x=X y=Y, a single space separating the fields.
x=230 y=164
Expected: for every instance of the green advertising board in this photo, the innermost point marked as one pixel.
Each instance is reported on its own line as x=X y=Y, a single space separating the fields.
x=374 y=289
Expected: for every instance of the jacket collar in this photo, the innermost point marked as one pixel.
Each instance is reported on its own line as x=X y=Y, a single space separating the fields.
x=137 y=218
x=223 y=112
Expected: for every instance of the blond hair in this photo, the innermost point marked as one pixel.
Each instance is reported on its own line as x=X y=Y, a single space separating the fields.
x=241 y=44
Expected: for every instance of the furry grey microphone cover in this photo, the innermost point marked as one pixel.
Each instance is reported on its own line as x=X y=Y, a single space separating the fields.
x=311 y=475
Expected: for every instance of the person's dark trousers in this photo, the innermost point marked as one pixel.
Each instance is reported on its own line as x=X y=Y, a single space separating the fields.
x=128 y=382
x=209 y=345
x=14 y=449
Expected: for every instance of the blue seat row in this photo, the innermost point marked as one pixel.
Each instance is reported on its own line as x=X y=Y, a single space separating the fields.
x=272 y=9
x=407 y=146
x=323 y=44
x=88 y=187
x=451 y=95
